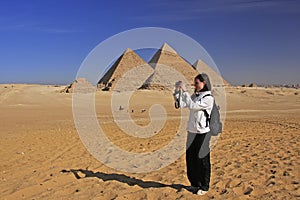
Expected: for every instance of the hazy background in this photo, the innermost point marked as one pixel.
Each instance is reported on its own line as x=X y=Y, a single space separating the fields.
x=250 y=41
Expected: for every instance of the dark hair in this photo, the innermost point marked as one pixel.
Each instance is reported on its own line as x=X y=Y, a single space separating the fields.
x=204 y=77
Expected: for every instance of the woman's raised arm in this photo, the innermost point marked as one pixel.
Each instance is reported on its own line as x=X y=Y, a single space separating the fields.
x=202 y=104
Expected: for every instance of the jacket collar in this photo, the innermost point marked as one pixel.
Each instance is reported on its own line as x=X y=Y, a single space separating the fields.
x=201 y=94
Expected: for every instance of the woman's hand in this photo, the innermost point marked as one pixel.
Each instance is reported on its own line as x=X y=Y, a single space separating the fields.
x=182 y=85
x=177 y=86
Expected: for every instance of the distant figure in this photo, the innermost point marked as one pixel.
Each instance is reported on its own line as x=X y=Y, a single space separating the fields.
x=132 y=110
x=198 y=152
x=143 y=110
x=121 y=108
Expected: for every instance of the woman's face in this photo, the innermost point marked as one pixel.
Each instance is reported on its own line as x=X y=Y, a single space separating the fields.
x=199 y=85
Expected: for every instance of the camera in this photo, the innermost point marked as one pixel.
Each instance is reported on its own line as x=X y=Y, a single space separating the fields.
x=177 y=84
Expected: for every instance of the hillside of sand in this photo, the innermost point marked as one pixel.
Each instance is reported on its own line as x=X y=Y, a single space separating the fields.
x=42 y=157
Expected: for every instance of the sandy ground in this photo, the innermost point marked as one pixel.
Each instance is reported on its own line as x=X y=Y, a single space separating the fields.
x=42 y=157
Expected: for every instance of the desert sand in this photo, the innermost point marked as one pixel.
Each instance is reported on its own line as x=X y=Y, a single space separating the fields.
x=42 y=157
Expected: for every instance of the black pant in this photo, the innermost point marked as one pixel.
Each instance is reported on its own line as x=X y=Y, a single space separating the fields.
x=198 y=160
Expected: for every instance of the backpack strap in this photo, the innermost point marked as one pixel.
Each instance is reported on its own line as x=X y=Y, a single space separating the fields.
x=205 y=111
x=206 y=95
x=177 y=104
x=207 y=117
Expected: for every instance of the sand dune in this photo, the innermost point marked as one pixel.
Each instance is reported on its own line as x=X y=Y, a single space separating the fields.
x=42 y=157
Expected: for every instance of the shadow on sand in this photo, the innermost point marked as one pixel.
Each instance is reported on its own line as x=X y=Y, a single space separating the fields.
x=123 y=179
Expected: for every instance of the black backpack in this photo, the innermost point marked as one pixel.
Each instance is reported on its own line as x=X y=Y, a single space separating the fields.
x=214 y=122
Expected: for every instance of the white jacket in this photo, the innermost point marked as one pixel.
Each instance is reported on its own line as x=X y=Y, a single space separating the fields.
x=196 y=104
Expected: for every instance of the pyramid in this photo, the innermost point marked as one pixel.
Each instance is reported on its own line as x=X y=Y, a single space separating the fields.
x=164 y=78
x=215 y=78
x=80 y=85
x=128 y=63
x=164 y=61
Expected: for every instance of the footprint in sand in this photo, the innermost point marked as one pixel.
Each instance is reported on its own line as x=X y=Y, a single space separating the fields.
x=227 y=164
x=235 y=183
x=274 y=162
x=224 y=191
x=271 y=183
x=248 y=191
x=271 y=177
x=295 y=182
x=285 y=173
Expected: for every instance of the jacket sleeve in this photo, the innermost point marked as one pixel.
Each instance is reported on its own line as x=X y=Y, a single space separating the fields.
x=178 y=97
x=203 y=104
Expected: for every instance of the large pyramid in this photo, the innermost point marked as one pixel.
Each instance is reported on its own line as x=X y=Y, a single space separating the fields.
x=215 y=78
x=128 y=63
x=166 y=62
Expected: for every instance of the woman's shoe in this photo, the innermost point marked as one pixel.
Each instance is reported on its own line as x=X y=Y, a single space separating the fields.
x=192 y=189
x=201 y=192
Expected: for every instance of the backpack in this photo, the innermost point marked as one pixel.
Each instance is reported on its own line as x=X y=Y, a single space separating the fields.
x=214 y=122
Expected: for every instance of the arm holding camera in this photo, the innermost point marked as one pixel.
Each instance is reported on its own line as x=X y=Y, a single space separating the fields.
x=203 y=104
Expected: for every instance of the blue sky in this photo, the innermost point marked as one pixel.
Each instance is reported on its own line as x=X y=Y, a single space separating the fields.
x=249 y=40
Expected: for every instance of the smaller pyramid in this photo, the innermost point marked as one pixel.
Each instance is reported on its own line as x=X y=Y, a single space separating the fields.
x=80 y=85
x=129 y=61
x=216 y=79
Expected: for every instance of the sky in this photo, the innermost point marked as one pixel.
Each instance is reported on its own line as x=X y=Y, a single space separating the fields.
x=249 y=40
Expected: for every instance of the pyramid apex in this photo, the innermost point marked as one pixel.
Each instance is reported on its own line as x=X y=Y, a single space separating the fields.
x=167 y=47
x=198 y=62
x=128 y=50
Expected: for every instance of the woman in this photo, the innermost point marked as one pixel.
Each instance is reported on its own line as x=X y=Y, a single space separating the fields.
x=198 y=152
